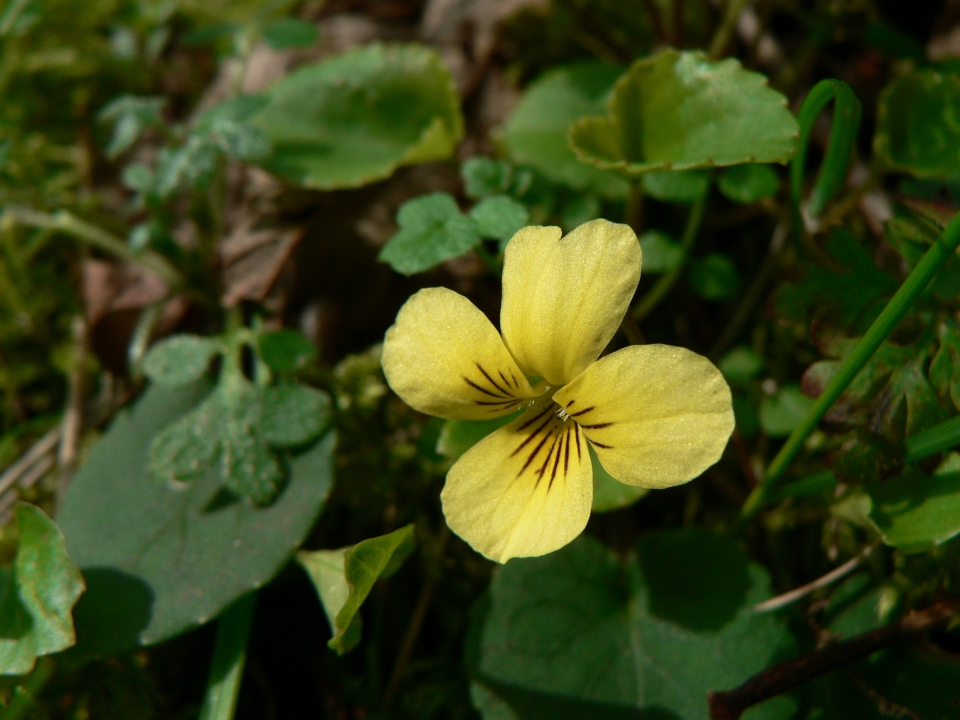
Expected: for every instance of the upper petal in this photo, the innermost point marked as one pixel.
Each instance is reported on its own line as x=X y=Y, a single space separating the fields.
x=657 y=415
x=444 y=357
x=563 y=299
x=524 y=490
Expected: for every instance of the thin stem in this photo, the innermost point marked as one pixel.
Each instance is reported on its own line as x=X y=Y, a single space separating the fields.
x=94 y=236
x=634 y=211
x=663 y=285
x=721 y=38
x=831 y=577
x=899 y=304
x=229 y=656
x=24 y=696
x=730 y=705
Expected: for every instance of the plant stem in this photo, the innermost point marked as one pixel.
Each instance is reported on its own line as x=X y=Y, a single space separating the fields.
x=94 y=236
x=731 y=704
x=229 y=656
x=634 y=211
x=25 y=693
x=899 y=304
x=663 y=285
x=721 y=38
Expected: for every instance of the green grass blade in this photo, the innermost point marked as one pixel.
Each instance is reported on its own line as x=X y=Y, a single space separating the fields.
x=933 y=440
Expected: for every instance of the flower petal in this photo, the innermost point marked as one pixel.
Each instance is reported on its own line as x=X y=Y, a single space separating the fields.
x=563 y=299
x=444 y=357
x=657 y=415
x=524 y=490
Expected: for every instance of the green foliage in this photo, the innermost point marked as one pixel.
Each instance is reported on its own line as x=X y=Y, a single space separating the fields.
x=179 y=360
x=285 y=350
x=916 y=126
x=680 y=186
x=680 y=111
x=458 y=436
x=484 y=177
x=343 y=579
x=714 y=277
x=535 y=134
x=432 y=229
x=916 y=511
x=354 y=119
x=37 y=594
x=661 y=253
x=499 y=217
x=289 y=33
x=608 y=492
x=740 y=365
x=130 y=115
x=748 y=183
x=166 y=561
x=781 y=412
x=673 y=623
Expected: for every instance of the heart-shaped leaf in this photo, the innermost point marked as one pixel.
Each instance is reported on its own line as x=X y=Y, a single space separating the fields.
x=354 y=119
x=432 y=229
x=157 y=561
x=37 y=594
x=915 y=511
x=679 y=110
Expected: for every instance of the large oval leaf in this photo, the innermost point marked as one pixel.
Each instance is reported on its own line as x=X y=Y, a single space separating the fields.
x=356 y=118
x=579 y=630
x=536 y=133
x=158 y=561
x=678 y=110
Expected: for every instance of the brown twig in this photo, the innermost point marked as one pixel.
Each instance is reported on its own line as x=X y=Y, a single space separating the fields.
x=730 y=704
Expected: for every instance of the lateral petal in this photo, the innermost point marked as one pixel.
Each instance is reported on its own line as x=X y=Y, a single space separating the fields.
x=656 y=415
x=524 y=490
x=564 y=298
x=445 y=358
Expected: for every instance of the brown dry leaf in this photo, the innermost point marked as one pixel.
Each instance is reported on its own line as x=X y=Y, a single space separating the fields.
x=252 y=259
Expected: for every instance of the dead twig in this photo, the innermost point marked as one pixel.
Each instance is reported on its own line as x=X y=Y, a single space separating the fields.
x=804 y=590
x=730 y=704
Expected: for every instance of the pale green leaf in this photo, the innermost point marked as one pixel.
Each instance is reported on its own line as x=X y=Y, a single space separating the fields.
x=343 y=579
x=180 y=359
x=748 y=183
x=37 y=594
x=432 y=229
x=608 y=492
x=740 y=365
x=915 y=512
x=679 y=186
x=187 y=448
x=535 y=134
x=678 y=111
x=499 y=217
x=354 y=119
x=781 y=412
x=292 y=414
x=661 y=253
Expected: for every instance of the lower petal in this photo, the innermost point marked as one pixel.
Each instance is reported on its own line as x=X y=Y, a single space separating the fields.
x=656 y=415
x=524 y=490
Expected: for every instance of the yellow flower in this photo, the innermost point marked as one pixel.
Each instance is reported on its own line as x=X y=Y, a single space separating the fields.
x=655 y=415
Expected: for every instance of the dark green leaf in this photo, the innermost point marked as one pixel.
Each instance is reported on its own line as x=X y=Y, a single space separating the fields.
x=180 y=359
x=286 y=350
x=661 y=253
x=458 y=436
x=781 y=412
x=714 y=277
x=344 y=578
x=916 y=511
x=578 y=210
x=679 y=186
x=499 y=217
x=740 y=365
x=354 y=119
x=37 y=594
x=917 y=130
x=657 y=635
x=536 y=132
x=292 y=414
x=289 y=33
x=483 y=177
x=432 y=229
x=158 y=562
x=748 y=183
x=945 y=367
x=247 y=466
x=187 y=448
x=678 y=111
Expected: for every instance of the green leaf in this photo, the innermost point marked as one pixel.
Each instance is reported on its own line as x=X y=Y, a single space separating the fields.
x=458 y=436
x=661 y=253
x=37 y=594
x=915 y=511
x=159 y=562
x=343 y=579
x=289 y=33
x=917 y=131
x=678 y=111
x=656 y=634
x=483 y=177
x=285 y=350
x=187 y=448
x=740 y=365
x=679 y=186
x=781 y=412
x=934 y=439
x=608 y=492
x=945 y=367
x=432 y=229
x=499 y=217
x=578 y=210
x=180 y=360
x=354 y=119
x=292 y=414
x=714 y=277
x=131 y=115
x=748 y=183
x=536 y=132
x=247 y=466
